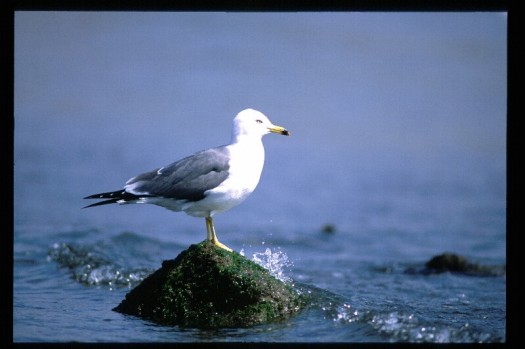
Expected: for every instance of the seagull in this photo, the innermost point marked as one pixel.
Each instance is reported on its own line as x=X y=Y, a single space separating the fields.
x=207 y=182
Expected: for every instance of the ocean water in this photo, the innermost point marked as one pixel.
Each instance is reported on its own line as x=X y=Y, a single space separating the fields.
x=397 y=154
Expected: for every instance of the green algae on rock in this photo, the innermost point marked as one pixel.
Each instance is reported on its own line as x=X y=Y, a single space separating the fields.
x=208 y=287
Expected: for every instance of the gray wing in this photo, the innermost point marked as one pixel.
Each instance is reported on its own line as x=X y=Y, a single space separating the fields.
x=186 y=179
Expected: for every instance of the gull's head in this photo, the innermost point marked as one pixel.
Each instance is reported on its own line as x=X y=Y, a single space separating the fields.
x=253 y=123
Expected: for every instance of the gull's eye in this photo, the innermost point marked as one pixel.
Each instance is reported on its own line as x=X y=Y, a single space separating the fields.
x=258 y=121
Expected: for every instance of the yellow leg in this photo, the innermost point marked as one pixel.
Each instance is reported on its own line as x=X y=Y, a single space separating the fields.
x=208 y=230
x=212 y=236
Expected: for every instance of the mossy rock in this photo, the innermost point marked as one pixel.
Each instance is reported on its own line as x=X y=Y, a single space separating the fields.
x=208 y=287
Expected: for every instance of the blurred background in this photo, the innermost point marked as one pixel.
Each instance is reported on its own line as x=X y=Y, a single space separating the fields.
x=398 y=125
x=377 y=103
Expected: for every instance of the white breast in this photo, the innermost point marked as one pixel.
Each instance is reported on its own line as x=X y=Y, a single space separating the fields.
x=246 y=164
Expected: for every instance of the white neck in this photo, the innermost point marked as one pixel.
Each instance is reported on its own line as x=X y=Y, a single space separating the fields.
x=243 y=137
x=249 y=158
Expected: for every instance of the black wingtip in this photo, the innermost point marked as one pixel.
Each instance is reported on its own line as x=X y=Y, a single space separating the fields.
x=105 y=202
x=113 y=197
x=109 y=195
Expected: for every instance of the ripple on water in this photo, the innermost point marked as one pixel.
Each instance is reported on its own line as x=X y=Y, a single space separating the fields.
x=91 y=268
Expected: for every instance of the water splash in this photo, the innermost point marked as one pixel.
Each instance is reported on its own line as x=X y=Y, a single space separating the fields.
x=347 y=314
x=275 y=262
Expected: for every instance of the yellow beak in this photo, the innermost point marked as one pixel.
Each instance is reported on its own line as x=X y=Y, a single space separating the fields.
x=280 y=130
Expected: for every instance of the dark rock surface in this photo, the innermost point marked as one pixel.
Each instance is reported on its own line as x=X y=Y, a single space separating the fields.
x=456 y=263
x=208 y=287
